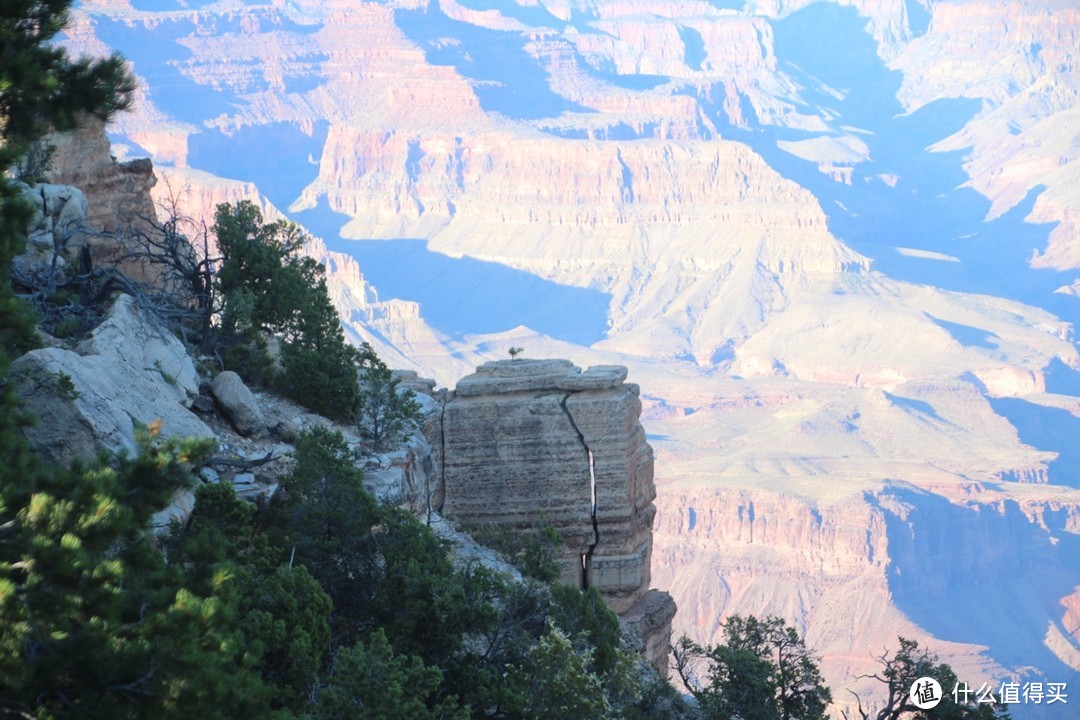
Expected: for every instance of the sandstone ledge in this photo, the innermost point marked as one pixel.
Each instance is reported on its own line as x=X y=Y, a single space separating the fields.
x=650 y=620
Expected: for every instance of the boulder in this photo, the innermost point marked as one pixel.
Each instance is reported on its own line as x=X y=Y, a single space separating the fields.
x=129 y=372
x=239 y=405
x=178 y=511
x=248 y=487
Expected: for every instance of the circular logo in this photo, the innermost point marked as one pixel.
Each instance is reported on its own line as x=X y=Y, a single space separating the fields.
x=926 y=693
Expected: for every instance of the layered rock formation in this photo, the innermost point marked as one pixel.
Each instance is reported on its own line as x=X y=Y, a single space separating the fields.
x=116 y=193
x=897 y=559
x=528 y=443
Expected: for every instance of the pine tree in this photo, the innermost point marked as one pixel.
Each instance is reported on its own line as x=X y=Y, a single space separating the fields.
x=387 y=414
x=269 y=287
x=41 y=88
x=93 y=621
x=762 y=671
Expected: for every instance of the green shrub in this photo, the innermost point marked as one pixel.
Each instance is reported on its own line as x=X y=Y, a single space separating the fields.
x=535 y=553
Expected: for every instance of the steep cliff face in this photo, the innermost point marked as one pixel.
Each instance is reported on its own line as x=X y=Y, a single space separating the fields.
x=118 y=195
x=532 y=441
x=898 y=560
x=527 y=443
x=115 y=192
x=701 y=223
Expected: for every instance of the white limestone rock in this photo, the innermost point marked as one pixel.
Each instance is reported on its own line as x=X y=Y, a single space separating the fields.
x=133 y=337
x=179 y=510
x=130 y=372
x=405 y=477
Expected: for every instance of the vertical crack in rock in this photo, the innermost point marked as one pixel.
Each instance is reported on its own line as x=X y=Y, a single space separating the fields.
x=586 y=559
x=442 y=453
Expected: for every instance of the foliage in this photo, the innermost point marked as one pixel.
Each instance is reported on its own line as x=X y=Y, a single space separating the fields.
x=762 y=671
x=319 y=366
x=534 y=553
x=899 y=672
x=554 y=681
x=585 y=615
x=283 y=612
x=92 y=619
x=371 y=680
x=41 y=88
x=387 y=414
x=381 y=567
x=269 y=287
x=262 y=260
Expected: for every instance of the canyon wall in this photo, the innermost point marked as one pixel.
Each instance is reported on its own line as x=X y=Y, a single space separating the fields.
x=899 y=560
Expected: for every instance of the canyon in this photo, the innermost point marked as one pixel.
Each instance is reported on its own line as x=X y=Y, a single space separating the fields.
x=525 y=445
x=837 y=250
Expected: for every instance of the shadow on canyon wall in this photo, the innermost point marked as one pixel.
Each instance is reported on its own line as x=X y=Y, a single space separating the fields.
x=281 y=174
x=1046 y=428
x=984 y=575
x=463 y=296
x=506 y=79
x=923 y=206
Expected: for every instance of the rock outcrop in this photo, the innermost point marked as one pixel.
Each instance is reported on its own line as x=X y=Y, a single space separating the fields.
x=117 y=192
x=118 y=197
x=528 y=443
x=131 y=371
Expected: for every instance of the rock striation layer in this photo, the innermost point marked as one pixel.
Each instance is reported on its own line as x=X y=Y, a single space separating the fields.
x=528 y=443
